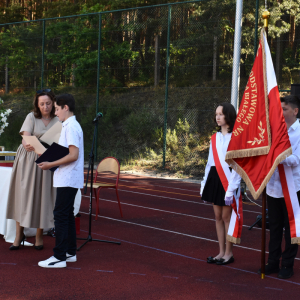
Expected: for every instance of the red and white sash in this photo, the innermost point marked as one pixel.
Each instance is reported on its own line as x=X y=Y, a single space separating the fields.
x=291 y=201
x=236 y=220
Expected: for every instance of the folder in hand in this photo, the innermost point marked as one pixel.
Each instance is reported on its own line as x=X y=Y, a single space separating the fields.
x=53 y=153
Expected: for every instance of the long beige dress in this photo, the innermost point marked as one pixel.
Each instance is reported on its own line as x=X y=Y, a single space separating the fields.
x=31 y=195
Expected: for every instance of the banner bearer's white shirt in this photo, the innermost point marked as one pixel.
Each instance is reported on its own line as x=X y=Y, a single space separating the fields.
x=274 y=188
x=71 y=175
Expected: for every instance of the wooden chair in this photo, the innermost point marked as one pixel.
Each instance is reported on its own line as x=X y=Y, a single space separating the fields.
x=108 y=165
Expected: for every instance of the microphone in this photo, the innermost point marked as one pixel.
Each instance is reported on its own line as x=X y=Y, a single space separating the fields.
x=98 y=116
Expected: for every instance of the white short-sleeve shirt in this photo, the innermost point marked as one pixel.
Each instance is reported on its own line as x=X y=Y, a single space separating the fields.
x=71 y=175
x=274 y=188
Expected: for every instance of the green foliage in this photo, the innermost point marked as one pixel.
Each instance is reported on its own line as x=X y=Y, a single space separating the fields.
x=10 y=138
x=183 y=148
x=202 y=36
x=127 y=41
x=139 y=124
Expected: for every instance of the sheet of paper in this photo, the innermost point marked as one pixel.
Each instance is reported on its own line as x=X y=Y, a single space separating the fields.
x=52 y=135
x=35 y=143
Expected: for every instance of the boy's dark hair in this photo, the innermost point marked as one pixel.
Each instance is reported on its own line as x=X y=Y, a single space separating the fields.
x=230 y=115
x=291 y=100
x=66 y=99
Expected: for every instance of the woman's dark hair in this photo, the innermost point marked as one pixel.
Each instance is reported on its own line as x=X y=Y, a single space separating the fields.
x=36 y=111
x=66 y=99
x=230 y=115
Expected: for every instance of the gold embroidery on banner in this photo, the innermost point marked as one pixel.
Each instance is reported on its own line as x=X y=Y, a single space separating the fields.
x=261 y=134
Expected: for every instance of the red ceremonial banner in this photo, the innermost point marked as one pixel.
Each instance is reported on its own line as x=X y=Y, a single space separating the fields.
x=259 y=139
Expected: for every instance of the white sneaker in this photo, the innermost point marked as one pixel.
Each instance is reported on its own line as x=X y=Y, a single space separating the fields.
x=52 y=262
x=71 y=258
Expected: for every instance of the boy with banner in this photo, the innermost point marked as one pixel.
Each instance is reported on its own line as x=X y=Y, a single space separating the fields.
x=283 y=194
x=259 y=143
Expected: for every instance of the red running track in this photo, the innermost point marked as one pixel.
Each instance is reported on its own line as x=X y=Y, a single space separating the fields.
x=166 y=235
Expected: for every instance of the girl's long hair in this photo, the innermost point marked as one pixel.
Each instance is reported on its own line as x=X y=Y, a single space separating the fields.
x=230 y=115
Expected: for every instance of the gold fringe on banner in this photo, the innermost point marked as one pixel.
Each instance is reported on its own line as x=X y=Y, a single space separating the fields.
x=256 y=193
x=295 y=240
x=233 y=239
x=247 y=153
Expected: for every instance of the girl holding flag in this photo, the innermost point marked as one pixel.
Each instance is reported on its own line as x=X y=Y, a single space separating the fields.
x=220 y=184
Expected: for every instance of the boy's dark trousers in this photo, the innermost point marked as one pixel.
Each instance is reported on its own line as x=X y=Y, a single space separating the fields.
x=64 y=222
x=278 y=218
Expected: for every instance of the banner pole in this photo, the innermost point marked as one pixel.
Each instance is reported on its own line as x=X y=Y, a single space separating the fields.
x=263 y=234
x=235 y=84
x=266 y=16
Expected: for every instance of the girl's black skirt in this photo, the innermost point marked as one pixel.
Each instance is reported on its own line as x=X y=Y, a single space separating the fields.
x=213 y=191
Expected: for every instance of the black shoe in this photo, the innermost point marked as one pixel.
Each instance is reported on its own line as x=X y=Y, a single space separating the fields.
x=222 y=261
x=211 y=260
x=286 y=272
x=270 y=269
x=40 y=247
x=12 y=247
x=51 y=232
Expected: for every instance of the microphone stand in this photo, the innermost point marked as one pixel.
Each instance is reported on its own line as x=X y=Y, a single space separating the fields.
x=91 y=165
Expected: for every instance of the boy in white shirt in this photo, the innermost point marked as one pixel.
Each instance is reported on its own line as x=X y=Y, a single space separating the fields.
x=68 y=178
x=277 y=210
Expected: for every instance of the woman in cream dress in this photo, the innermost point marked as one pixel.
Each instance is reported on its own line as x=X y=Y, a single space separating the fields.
x=31 y=196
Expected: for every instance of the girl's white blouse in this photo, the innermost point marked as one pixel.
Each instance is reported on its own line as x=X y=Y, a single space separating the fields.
x=235 y=178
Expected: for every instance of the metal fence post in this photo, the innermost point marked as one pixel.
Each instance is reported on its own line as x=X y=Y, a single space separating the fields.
x=43 y=52
x=237 y=54
x=98 y=78
x=157 y=62
x=167 y=83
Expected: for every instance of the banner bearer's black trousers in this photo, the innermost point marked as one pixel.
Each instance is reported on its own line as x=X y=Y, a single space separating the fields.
x=278 y=218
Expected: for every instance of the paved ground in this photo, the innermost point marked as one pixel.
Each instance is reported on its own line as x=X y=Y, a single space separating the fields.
x=166 y=235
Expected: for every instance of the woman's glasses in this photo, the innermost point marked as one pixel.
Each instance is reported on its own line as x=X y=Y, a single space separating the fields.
x=43 y=91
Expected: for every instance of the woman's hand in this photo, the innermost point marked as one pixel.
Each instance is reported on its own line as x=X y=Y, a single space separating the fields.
x=28 y=148
x=202 y=200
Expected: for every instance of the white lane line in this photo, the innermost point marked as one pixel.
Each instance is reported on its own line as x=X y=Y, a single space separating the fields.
x=158 y=196
x=270 y=288
x=151 y=195
x=169 y=197
x=167 y=187
x=176 y=199
x=170 y=231
x=193 y=258
x=105 y=271
x=175 y=232
x=166 y=211
x=164 y=187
